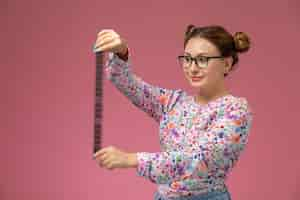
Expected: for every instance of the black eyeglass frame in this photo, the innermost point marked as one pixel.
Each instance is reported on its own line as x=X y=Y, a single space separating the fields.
x=195 y=59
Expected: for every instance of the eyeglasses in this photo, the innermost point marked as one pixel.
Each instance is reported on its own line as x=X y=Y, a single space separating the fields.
x=201 y=61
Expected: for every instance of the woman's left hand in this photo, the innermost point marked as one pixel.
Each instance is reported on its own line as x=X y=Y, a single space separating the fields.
x=111 y=157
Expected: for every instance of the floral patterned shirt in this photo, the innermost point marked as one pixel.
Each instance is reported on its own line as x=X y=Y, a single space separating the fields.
x=200 y=143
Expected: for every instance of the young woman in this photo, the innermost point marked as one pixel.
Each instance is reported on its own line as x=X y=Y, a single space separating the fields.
x=201 y=136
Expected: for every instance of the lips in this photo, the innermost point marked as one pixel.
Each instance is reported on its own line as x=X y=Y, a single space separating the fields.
x=196 y=78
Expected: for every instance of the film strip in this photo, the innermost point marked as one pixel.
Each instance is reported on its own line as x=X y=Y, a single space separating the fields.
x=98 y=102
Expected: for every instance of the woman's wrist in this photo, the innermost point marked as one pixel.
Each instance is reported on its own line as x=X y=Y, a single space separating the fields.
x=132 y=160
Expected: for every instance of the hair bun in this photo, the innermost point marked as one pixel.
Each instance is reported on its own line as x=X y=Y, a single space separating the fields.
x=241 y=42
x=190 y=28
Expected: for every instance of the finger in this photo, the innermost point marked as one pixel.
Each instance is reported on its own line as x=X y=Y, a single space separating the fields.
x=103 y=41
x=106 y=162
x=104 y=48
x=104 y=34
x=108 y=34
x=100 y=152
x=99 y=46
x=104 y=31
x=112 y=33
x=104 y=37
x=99 y=159
x=103 y=157
x=110 y=166
x=100 y=38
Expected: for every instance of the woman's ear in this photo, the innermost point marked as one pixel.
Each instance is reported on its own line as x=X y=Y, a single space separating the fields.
x=228 y=63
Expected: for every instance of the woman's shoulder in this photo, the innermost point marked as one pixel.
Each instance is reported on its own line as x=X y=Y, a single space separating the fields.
x=239 y=105
x=229 y=102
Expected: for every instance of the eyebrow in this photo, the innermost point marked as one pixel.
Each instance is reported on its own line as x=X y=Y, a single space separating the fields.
x=197 y=54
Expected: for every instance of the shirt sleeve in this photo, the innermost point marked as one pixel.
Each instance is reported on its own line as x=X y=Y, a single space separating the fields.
x=224 y=140
x=153 y=100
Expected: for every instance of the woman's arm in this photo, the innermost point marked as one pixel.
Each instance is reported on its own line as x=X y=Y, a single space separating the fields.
x=151 y=99
x=224 y=141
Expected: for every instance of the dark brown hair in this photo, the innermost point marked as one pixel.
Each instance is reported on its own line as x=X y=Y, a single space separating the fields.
x=227 y=44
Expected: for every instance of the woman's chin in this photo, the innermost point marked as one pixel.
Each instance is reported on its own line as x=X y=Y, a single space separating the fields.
x=196 y=83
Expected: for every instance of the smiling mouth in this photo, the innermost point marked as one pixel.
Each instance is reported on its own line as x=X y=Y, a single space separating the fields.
x=196 y=78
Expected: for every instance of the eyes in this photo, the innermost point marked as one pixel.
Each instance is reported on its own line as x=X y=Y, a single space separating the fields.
x=186 y=61
x=199 y=59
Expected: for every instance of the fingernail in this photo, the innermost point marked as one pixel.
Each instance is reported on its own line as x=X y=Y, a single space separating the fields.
x=94 y=47
x=97 y=50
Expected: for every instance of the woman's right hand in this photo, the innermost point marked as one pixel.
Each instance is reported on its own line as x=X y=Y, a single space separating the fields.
x=109 y=40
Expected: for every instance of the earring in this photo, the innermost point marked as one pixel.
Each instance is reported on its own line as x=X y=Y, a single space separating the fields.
x=226 y=72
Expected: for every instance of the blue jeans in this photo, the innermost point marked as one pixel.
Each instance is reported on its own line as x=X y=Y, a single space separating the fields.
x=215 y=195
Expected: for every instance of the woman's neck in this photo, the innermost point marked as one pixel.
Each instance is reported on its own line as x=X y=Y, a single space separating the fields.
x=204 y=97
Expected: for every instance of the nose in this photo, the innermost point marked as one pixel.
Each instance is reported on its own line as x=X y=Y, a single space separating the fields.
x=194 y=66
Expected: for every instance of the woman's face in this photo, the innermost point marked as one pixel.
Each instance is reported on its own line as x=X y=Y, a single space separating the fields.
x=213 y=75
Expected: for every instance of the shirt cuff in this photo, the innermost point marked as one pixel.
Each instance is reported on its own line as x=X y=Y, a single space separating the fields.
x=144 y=163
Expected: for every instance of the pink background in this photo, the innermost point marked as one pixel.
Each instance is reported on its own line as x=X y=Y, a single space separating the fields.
x=47 y=94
